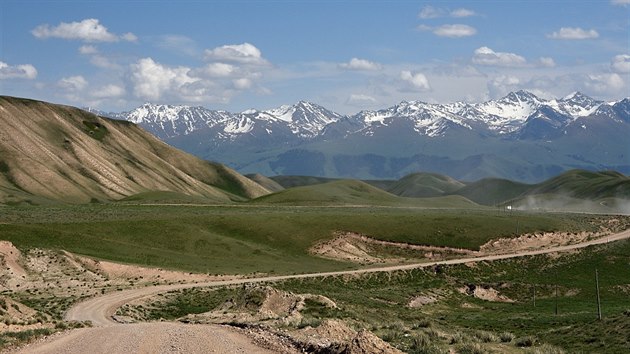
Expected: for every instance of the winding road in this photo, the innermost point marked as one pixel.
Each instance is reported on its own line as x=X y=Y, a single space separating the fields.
x=100 y=310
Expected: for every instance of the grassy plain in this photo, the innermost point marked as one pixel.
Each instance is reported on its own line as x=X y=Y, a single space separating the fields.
x=254 y=238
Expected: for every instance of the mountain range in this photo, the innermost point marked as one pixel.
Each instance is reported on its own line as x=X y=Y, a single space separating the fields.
x=520 y=136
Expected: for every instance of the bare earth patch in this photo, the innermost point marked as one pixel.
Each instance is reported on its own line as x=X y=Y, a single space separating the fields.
x=357 y=248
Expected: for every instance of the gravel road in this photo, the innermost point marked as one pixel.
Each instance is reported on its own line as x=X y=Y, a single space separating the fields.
x=149 y=338
x=163 y=337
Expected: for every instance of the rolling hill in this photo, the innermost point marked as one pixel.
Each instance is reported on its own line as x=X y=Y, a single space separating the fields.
x=354 y=192
x=51 y=152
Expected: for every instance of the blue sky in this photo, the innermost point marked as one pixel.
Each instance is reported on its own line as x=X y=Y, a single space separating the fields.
x=344 y=55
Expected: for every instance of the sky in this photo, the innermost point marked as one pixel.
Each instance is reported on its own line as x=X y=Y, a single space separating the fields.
x=344 y=55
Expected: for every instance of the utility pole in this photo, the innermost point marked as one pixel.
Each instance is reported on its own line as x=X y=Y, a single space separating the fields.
x=534 y=295
x=599 y=305
x=556 y=293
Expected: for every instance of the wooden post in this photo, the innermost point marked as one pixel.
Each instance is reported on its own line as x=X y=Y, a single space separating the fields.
x=599 y=305
x=556 y=293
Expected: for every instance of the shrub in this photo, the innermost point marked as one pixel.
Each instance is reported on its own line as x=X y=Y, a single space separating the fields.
x=506 y=337
x=471 y=348
x=526 y=341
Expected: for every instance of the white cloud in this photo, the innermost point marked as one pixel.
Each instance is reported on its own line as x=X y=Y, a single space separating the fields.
x=570 y=33
x=73 y=83
x=546 y=62
x=129 y=37
x=219 y=70
x=415 y=81
x=620 y=2
x=604 y=83
x=461 y=12
x=621 y=63
x=152 y=80
x=360 y=64
x=455 y=31
x=243 y=83
x=241 y=53
x=108 y=91
x=487 y=56
x=88 y=30
x=502 y=85
x=20 y=71
x=88 y=49
x=428 y=12
x=360 y=100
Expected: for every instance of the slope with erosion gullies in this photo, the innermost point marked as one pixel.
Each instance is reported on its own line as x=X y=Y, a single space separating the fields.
x=61 y=153
x=354 y=192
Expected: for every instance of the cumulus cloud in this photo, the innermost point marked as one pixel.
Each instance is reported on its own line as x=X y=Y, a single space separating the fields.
x=621 y=63
x=151 y=80
x=573 y=33
x=20 y=71
x=415 y=81
x=108 y=91
x=360 y=64
x=454 y=31
x=546 y=62
x=461 y=12
x=360 y=100
x=219 y=70
x=604 y=83
x=620 y=2
x=88 y=30
x=240 y=53
x=487 y=56
x=73 y=83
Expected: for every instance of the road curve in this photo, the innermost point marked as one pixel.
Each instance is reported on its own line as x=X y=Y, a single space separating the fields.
x=99 y=310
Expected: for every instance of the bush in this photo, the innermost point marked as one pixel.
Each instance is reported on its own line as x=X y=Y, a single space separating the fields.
x=471 y=348
x=486 y=337
x=526 y=341
x=506 y=337
x=548 y=349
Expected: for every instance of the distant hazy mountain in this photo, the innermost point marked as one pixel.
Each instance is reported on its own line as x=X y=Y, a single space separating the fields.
x=52 y=153
x=520 y=136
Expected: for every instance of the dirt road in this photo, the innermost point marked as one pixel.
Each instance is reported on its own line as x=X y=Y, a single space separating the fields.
x=99 y=310
x=149 y=338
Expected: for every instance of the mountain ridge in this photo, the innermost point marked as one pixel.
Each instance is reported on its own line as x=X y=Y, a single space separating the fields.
x=519 y=136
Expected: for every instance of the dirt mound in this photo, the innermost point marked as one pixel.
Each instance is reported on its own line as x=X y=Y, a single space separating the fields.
x=421 y=300
x=328 y=334
x=262 y=303
x=357 y=248
x=486 y=293
x=365 y=342
x=538 y=241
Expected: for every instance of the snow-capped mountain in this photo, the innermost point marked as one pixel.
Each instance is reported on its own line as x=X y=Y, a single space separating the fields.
x=519 y=136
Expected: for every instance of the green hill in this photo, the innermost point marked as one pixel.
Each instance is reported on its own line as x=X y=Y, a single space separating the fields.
x=425 y=185
x=300 y=181
x=493 y=191
x=586 y=185
x=354 y=192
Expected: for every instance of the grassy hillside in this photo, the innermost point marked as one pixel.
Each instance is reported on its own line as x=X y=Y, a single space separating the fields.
x=266 y=182
x=255 y=238
x=353 y=192
x=586 y=185
x=300 y=181
x=62 y=153
x=425 y=185
x=493 y=191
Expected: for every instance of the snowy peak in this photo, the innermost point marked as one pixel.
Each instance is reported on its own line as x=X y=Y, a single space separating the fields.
x=576 y=104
